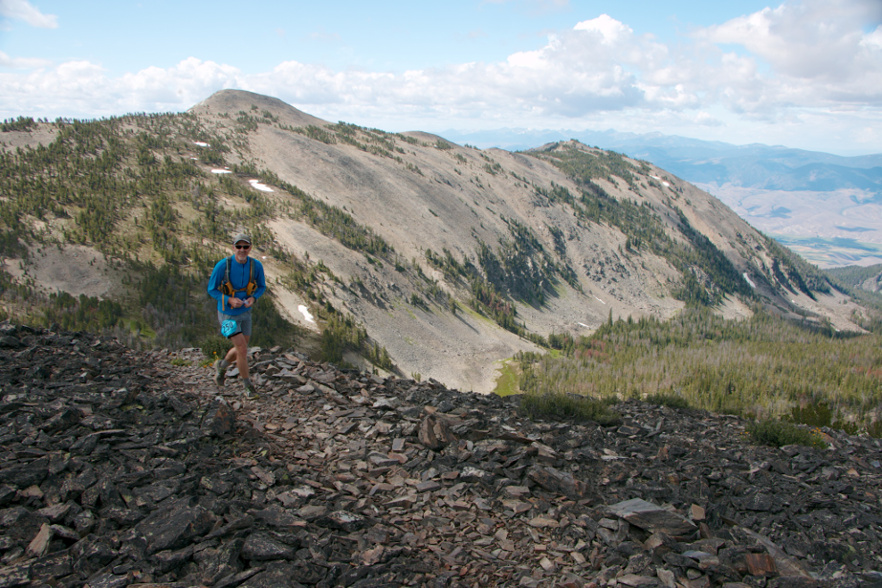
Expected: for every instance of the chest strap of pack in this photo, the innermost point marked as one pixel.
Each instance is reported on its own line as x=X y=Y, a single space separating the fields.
x=226 y=287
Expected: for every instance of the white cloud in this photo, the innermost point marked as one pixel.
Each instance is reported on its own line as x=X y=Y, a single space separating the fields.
x=873 y=41
x=609 y=29
x=23 y=10
x=794 y=66
x=21 y=62
x=812 y=52
x=73 y=87
x=81 y=89
x=811 y=38
x=187 y=83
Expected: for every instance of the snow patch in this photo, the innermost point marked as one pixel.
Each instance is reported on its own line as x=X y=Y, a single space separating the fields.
x=200 y=143
x=221 y=171
x=257 y=185
x=749 y=281
x=664 y=183
x=583 y=325
x=599 y=300
x=306 y=314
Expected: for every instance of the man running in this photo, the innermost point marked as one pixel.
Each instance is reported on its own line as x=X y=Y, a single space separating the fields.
x=236 y=283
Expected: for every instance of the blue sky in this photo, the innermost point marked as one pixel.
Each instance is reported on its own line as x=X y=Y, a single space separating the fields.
x=803 y=73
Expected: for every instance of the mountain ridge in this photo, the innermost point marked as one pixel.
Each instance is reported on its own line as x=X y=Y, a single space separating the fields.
x=756 y=177
x=451 y=258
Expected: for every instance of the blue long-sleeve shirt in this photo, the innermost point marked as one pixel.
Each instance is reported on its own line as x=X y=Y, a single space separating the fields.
x=239 y=273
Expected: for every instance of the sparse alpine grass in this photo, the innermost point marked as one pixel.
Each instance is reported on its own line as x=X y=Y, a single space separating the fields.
x=780 y=433
x=762 y=367
x=561 y=406
x=507 y=382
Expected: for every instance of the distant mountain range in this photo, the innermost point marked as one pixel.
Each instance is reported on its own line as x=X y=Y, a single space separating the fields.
x=825 y=206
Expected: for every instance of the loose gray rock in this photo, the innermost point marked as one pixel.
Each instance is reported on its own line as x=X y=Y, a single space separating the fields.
x=120 y=468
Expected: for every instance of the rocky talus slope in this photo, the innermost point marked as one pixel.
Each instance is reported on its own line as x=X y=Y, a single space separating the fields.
x=120 y=468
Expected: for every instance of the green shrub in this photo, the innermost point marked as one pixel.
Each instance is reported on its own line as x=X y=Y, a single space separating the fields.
x=418 y=301
x=560 y=406
x=215 y=347
x=779 y=433
x=668 y=399
x=270 y=328
x=817 y=414
x=337 y=336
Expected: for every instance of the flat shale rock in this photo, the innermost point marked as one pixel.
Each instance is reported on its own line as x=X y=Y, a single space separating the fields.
x=654 y=519
x=118 y=468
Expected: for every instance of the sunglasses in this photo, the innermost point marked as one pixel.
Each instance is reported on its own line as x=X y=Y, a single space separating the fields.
x=243 y=246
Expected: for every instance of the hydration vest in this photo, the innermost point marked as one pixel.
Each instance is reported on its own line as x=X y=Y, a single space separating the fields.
x=226 y=286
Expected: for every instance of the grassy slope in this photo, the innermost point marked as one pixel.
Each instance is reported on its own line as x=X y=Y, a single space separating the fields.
x=764 y=367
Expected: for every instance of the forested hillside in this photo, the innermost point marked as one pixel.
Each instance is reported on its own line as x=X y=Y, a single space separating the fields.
x=138 y=189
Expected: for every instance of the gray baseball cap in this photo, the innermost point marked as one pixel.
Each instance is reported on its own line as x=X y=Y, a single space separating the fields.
x=241 y=237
